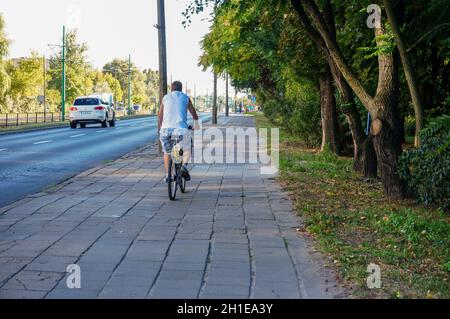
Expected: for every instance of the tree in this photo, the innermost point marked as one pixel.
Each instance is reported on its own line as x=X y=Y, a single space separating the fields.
x=26 y=84
x=363 y=64
x=114 y=86
x=152 y=86
x=144 y=84
x=382 y=106
x=53 y=98
x=310 y=63
x=425 y=28
x=76 y=68
x=99 y=82
x=409 y=71
x=118 y=68
x=139 y=89
x=364 y=159
x=363 y=154
x=5 y=80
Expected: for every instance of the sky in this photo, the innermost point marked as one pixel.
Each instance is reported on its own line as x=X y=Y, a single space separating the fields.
x=112 y=29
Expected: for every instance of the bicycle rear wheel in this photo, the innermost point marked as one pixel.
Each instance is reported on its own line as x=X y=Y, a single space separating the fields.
x=173 y=183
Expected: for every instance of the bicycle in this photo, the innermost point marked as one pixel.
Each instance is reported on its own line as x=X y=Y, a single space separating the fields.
x=175 y=164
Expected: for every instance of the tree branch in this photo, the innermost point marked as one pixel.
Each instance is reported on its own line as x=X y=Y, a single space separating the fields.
x=312 y=32
x=332 y=46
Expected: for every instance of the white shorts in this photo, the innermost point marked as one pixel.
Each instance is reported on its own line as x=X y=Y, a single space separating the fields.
x=165 y=137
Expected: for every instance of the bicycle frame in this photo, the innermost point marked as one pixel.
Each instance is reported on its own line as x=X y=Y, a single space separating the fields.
x=176 y=162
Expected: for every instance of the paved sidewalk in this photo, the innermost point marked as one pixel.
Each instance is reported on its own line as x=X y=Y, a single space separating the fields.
x=233 y=235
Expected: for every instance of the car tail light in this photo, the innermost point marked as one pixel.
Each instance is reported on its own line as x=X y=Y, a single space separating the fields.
x=99 y=108
x=73 y=108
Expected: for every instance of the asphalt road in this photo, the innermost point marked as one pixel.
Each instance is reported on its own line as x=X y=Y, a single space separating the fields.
x=31 y=161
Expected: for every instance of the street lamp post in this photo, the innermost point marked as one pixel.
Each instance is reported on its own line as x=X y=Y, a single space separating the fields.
x=227 y=108
x=162 y=51
x=235 y=100
x=63 y=77
x=129 y=83
x=214 y=111
x=44 y=67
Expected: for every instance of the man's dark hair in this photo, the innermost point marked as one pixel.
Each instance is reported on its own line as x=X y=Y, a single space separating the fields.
x=177 y=86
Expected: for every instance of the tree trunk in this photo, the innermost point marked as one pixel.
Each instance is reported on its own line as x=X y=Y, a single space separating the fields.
x=385 y=131
x=386 y=141
x=388 y=151
x=330 y=127
x=364 y=157
x=409 y=71
x=369 y=158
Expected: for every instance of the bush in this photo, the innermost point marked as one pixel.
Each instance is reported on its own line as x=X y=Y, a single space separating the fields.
x=410 y=126
x=277 y=111
x=298 y=111
x=299 y=118
x=426 y=170
x=305 y=122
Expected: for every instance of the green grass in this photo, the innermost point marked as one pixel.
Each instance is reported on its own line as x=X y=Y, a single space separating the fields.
x=354 y=225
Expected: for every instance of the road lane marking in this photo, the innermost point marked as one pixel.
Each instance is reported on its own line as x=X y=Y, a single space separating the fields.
x=3 y=149
x=74 y=136
x=43 y=142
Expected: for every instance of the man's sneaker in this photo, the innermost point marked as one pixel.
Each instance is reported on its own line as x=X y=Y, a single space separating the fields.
x=185 y=173
x=167 y=179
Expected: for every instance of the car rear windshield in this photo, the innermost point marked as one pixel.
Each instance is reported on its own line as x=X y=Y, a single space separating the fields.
x=87 y=101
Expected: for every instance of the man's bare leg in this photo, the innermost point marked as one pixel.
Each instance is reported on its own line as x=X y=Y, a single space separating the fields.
x=166 y=163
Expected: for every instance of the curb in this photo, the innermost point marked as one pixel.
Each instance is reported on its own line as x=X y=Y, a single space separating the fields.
x=44 y=128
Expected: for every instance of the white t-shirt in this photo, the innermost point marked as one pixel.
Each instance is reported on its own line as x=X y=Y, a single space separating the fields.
x=175 y=110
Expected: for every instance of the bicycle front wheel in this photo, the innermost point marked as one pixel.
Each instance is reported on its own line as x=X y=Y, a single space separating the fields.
x=182 y=185
x=173 y=183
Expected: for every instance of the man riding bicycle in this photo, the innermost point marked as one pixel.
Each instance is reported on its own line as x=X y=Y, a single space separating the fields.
x=172 y=120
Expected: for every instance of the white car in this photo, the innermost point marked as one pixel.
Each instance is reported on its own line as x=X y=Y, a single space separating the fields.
x=97 y=108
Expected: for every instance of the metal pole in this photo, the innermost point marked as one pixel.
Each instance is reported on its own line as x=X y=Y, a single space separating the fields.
x=214 y=111
x=227 y=107
x=63 y=77
x=162 y=51
x=45 y=88
x=235 y=100
x=129 y=83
